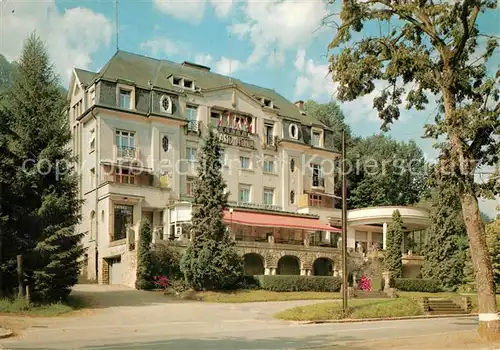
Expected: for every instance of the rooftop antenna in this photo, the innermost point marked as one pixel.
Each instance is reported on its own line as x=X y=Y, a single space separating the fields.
x=230 y=61
x=274 y=67
x=116 y=24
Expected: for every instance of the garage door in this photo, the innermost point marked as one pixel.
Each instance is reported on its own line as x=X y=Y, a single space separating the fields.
x=115 y=271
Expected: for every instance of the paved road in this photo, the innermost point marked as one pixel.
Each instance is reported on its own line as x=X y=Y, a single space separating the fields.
x=149 y=321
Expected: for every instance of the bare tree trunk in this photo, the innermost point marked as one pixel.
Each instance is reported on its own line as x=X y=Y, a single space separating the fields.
x=489 y=320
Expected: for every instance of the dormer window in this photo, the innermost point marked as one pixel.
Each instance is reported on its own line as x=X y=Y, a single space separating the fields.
x=317 y=138
x=183 y=83
x=266 y=102
x=177 y=81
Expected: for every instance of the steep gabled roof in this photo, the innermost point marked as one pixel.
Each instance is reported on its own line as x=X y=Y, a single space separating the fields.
x=143 y=71
x=84 y=76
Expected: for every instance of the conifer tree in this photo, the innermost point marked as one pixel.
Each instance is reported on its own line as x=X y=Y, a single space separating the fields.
x=46 y=182
x=211 y=260
x=144 y=277
x=445 y=249
x=392 y=257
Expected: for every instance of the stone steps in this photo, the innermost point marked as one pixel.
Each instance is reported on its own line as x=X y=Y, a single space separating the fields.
x=443 y=307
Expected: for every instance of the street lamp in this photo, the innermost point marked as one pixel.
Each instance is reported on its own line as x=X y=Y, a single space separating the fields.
x=344 y=228
x=231 y=213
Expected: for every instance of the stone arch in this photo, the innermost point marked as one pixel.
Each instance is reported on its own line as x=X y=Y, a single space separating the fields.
x=288 y=265
x=322 y=266
x=253 y=264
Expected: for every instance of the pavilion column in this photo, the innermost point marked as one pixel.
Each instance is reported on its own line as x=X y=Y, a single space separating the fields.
x=384 y=232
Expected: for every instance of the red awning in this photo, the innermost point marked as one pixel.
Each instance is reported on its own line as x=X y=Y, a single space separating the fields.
x=270 y=220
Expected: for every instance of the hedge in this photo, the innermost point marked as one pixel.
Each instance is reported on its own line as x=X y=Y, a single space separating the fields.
x=417 y=285
x=285 y=283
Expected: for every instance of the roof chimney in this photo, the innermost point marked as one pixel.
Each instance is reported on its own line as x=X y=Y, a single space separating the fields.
x=300 y=104
x=196 y=66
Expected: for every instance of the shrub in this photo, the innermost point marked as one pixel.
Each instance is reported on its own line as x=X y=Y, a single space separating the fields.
x=299 y=283
x=417 y=285
x=166 y=262
x=249 y=282
x=145 y=274
x=365 y=283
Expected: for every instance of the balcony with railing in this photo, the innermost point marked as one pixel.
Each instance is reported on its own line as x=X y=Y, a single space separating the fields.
x=320 y=204
x=317 y=181
x=193 y=126
x=123 y=152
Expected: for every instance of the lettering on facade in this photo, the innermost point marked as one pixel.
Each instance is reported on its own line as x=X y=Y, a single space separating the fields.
x=236 y=141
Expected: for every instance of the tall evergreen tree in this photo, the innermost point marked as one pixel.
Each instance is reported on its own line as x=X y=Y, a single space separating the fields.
x=46 y=182
x=446 y=244
x=211 y=260
x=392 y=258
x=144 y=277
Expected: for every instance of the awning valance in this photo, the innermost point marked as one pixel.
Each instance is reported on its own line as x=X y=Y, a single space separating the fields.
x=271 y=220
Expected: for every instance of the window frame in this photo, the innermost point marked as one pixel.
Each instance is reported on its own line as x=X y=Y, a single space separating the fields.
x=271 y=162
x=247 y=189
x=122 y=235
x=242 y=159
x=119 y=135
x=189 y=154
x=268 y=190
x=189 y=184
x=269 y=139
x=319 y=132
x=126 y=178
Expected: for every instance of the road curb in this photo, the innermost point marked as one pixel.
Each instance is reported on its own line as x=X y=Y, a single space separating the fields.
x=386 y=319
x=5 y=333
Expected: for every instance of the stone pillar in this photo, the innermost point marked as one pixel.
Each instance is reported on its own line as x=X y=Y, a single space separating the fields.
x=267 y=271
x=335 y=272
x=384 y=232
x=308 y=272
x=354 y=281
x=387 y=280
x=303 y=272
x=273 y=271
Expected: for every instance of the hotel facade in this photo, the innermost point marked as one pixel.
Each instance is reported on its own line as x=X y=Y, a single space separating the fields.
x=137 y=126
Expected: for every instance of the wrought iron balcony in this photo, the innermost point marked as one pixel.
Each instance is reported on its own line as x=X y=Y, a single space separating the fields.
x=192 y=125
x=126 y=152
x=318 y=181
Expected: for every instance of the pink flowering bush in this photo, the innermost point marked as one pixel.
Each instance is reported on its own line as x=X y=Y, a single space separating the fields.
x=161 y=282
x=365 y=283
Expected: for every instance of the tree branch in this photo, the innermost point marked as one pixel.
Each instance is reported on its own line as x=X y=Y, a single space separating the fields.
x=468 y=24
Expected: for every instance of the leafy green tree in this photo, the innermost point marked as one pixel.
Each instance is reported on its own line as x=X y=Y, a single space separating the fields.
x=145 y=265
x=445 y=248
x=385 y=172
x=493 y=242
x=432 y=51
x=392 y=257
x=211 y=260
x=46 y=211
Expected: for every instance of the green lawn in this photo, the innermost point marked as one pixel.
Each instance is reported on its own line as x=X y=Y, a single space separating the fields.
x=22 y=307
x=248 y=296
x=358 y=309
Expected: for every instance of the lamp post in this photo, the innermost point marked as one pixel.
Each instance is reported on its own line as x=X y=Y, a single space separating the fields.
x=231 y=213
x=344 y=228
